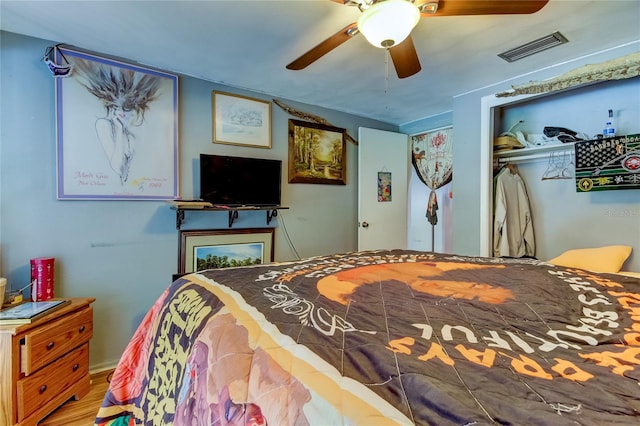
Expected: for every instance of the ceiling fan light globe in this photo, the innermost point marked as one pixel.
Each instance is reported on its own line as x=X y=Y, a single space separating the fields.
x=387 y=23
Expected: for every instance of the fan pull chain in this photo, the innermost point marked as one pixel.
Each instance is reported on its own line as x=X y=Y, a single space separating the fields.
x=386 y=78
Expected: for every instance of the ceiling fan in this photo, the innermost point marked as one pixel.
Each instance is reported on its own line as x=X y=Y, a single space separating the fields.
x=388 y=24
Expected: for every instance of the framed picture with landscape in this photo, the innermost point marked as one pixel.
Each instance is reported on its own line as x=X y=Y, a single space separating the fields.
x=317 y=153
x=207 y=249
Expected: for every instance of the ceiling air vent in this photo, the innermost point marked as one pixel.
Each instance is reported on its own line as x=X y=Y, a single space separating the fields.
x=534 y=46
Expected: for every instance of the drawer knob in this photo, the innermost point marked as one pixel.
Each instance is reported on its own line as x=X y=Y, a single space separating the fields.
x=42 y=389
x=50 y=345
x=82 y=328
x=75 y=367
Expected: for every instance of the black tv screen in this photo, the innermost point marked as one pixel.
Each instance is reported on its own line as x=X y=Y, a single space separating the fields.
x=240 y=181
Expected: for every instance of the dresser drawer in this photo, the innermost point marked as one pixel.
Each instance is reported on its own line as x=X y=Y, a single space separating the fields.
x=36 y=390
x=54 y=339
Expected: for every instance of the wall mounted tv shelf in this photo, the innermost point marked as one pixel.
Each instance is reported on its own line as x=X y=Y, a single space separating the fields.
x=183 y=206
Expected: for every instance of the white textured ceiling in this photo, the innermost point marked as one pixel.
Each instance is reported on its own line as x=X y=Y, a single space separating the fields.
x=246 y=44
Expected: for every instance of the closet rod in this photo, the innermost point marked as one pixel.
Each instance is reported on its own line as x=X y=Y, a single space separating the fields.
x=531 y=157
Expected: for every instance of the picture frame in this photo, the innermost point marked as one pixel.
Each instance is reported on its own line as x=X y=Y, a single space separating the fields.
x=240 y=120
x=204 y=249
x=111 y=146
x=317 y=153
x=384 y=187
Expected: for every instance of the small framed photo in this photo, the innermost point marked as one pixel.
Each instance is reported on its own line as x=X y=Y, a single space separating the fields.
x=317 y=153
x=384 y=187
x=239 y=120
x=211 y=249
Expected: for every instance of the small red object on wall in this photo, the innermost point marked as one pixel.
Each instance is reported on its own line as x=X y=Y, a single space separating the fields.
x=42 y=270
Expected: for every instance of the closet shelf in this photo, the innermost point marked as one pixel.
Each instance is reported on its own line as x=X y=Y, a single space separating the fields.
x=531 y=154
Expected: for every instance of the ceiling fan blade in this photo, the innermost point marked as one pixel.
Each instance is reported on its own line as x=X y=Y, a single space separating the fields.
x=487 y=7
x=405 y=58
x=324 y=47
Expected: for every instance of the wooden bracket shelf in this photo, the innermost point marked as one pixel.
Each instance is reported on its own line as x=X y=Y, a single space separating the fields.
x=271 y=212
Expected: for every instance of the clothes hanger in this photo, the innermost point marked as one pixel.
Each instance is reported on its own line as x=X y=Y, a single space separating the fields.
x=568 y=172
x=552 y=171
x=557 y=167
x=513 y=169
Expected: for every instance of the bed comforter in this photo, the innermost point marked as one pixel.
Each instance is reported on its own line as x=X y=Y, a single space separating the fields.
x=385 y=337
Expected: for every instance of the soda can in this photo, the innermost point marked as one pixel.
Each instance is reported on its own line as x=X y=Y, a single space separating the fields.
x=42 y=271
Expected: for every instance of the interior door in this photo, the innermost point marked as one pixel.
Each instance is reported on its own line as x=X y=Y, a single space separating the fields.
x=382 y=224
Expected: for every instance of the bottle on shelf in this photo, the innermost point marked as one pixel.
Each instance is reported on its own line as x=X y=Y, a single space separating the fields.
x=609 y=131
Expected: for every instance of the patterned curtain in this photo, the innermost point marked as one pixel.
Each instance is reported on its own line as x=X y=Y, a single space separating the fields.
x=433 y=161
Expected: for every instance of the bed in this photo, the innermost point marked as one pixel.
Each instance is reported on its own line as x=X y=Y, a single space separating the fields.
x=385 y=337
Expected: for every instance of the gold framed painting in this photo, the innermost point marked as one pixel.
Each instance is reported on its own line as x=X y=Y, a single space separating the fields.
x=317 y=153
x=208 y=249
x=239 y=120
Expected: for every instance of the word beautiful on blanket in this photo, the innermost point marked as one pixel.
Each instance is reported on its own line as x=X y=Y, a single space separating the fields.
x=596 y=296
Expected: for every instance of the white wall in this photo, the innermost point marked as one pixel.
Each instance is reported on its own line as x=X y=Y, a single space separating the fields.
x=124 y=253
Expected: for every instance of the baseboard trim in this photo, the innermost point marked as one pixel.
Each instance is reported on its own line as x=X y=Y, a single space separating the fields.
x=99 y=368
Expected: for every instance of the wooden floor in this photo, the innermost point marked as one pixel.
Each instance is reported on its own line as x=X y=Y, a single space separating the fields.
x=83 y=412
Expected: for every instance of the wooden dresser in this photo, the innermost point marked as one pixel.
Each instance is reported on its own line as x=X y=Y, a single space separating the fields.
x=45 y=363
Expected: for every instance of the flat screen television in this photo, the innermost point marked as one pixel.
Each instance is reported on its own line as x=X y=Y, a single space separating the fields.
x=240 y=181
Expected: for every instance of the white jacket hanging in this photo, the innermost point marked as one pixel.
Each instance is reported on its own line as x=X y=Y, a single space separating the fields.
x=512 y=228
